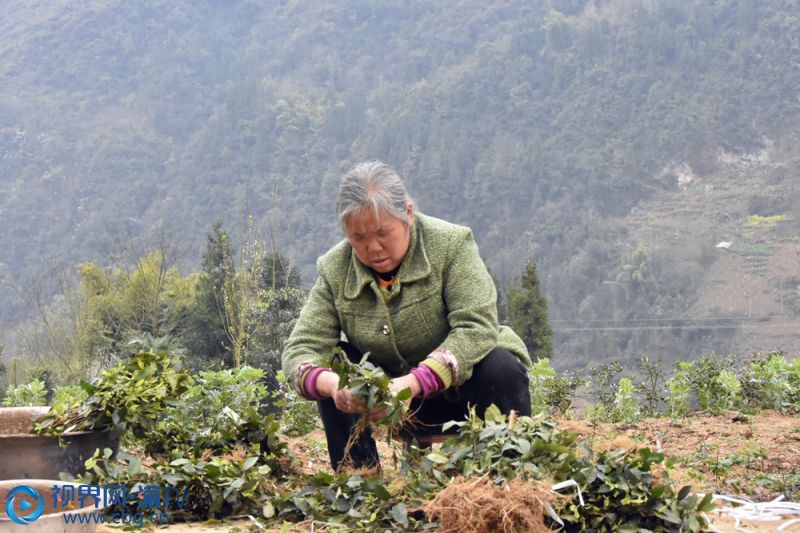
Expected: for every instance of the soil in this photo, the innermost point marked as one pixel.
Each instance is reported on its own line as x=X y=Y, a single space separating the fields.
x=758 y=459
x=728 y=450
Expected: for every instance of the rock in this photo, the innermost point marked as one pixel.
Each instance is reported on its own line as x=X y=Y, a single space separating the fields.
x=736 y=416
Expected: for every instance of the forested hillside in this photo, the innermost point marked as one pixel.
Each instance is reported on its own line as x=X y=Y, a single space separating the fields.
x=616 y=143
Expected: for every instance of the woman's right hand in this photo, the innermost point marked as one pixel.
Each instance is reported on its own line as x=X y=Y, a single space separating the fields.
x=328 y=386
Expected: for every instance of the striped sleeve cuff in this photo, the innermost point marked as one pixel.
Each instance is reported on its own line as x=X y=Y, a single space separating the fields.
x=442 y=371
x=429 y=381
x=310 y=383
x=299 y=378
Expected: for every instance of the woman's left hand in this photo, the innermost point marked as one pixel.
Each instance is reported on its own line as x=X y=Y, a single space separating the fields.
x=409 y=381
x=395 y=386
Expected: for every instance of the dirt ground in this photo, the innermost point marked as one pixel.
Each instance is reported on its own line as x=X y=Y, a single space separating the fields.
x=758 y=459
x=730 y=451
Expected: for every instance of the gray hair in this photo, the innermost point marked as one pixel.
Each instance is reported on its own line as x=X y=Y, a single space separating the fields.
x=372 y=185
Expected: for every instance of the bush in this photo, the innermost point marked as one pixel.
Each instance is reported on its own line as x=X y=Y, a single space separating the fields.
x=28 y=395
x=708 y=384
x=605 y=385
x=679 y=392
x=204 y=436
x=298 y=415
x=771 y=382
x=552 y=394
x=651 y=390
x=217 y=411
x=626 y=407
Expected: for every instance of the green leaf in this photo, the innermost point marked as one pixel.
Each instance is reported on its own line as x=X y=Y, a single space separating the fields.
x=135 y=466
x=404 y=394
x=493 y=414
x=381 y=492
x=354 y=482
x=173 y=479
x=524 y=446
x=400 y=514
x=354 y=513
x=249 y=462
x=451 y=424
x=436 y=458
x=324 y=478
x=706 y=505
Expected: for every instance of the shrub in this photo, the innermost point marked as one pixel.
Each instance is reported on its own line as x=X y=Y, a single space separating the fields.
x=605 y=384
x=208 y=440
x=550 y=393
x=626 y=407
x=28 y=395
x=679 y=391
x=711 y=382
x=651 y=390
x=298 y=415
x=771 y=382
x=727 y=389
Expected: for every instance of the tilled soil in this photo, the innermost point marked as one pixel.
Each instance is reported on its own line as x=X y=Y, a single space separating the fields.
x=755 y=458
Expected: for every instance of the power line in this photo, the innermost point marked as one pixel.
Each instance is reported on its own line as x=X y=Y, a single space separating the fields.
x=681 y=327
x=695 y=319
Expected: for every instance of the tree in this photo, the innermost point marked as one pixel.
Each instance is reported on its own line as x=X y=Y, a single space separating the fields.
x=527 y=313
x=218 y=257
x=247 y=301
x=64 y=334
x=207 y=341
x=636 y=268
x=638 y=272
x=277 y=272
x=262 y=303
x=275 y=314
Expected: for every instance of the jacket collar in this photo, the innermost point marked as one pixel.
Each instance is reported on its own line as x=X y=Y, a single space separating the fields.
x=415 y=265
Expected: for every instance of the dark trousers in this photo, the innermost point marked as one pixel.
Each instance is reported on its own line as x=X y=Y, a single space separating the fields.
x=498 y=379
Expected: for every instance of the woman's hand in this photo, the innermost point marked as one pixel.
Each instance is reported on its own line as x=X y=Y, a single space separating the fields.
x=409 y=381
x=328 y=386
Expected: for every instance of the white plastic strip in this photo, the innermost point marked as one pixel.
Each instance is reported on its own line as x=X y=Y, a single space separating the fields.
x=552 y=514
x=560 y=486
x=569 y=483
x=745 y=509
x=789 y=523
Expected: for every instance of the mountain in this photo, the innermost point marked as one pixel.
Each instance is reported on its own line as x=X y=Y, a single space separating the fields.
x=564 y=131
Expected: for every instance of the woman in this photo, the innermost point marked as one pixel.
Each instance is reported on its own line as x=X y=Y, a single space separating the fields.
x=412 y=291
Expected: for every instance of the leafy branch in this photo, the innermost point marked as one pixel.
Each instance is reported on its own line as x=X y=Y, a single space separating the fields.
x=370 y=384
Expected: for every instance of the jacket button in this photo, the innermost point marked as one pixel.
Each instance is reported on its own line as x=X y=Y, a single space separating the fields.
x=385 y=329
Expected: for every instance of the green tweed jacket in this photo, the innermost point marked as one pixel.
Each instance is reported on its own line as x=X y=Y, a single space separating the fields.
x=443 y=297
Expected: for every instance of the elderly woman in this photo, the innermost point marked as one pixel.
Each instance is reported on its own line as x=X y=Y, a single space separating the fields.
x=413 y=291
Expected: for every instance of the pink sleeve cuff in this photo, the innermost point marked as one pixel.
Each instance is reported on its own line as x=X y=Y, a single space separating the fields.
x=310 y=383
x=428 y=380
